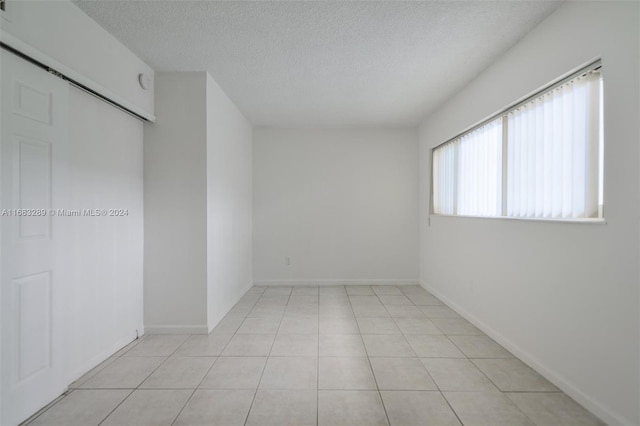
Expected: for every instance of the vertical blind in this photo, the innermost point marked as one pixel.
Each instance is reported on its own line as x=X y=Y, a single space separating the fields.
x=544 y=157
x=553 y=145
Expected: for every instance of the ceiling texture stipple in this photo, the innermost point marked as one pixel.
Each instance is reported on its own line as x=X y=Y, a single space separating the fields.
x=324 y=64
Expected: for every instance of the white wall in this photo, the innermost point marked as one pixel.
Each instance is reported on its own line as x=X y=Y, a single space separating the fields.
x=197 y=205
x=229 y=204
x=175 y=202
x=563 y=297
x=103 y=255
x=60 y=35
x=341 y=204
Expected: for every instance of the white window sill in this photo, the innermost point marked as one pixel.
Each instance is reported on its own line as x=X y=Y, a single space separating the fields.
x=586 y=221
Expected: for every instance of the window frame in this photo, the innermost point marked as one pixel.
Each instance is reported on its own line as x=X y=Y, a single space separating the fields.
x=502 y=114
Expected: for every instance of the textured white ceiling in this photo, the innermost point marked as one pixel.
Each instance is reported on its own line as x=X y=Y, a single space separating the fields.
x=290 y=63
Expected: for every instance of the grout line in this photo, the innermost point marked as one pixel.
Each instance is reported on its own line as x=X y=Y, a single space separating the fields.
x=375 y=379
x=205 y=375
x=149 y=375
x=266 y=360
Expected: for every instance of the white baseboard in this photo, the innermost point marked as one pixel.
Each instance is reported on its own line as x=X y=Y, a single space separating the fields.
x=326 y=283
x=176 y=329
x=553 y=376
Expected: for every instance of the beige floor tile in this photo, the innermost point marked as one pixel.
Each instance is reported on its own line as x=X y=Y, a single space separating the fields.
x=124 y=373
x=290 y=373
x=411 y=408
x=424 y=299
x=268 y=325
x=179 y=373
x=391 y=345
x=386 y=290
x=337 y=300
x=401 y=311
x=480 y=347
x=128 y=347
x=241 y=310
x=284 y=408
x=216 y=407
x=298 y=325
x=295 y=345
x=395 y=300
x=553 y=409
x=350 y=408
x=338 y=290
x=82 y=408
x=486 y=408
x=277 y=291
x=457 y=375
x=157 y=345
x=359 y=290
x=267 y=312
x=235 y=373
x=370 y=311
x=513 y=375
x=457 y=326
x=345 y=373
x=228 y=325
x=304 y=299
x=272 y=300
x=434 y=346
x=341 y=345
x=357 y=300
x=378 y=326
x=249 y=345
x=417 y=326
x=305 y=291
x=412 y=289
x=302 y=310
x=149 y=407
x=338 y=326
x=336 y=311
x=439 y=312
x=204 y=345
x=79 y=382
x=401 y=374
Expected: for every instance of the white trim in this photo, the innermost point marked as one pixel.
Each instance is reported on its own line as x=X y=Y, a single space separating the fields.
x=578 y=221
x=553 y=376
x=176 y=329
x=324 y=283
x=45 y=59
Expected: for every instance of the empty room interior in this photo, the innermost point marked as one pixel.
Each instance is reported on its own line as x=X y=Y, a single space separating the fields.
x=319 y=213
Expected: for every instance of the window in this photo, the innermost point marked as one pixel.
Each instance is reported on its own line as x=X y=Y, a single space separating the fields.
x=541 y=158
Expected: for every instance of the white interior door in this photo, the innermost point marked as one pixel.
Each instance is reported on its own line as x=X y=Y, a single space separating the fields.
x=33 y=155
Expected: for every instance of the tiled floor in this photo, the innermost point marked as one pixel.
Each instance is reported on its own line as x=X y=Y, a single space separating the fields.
x=357 y=355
